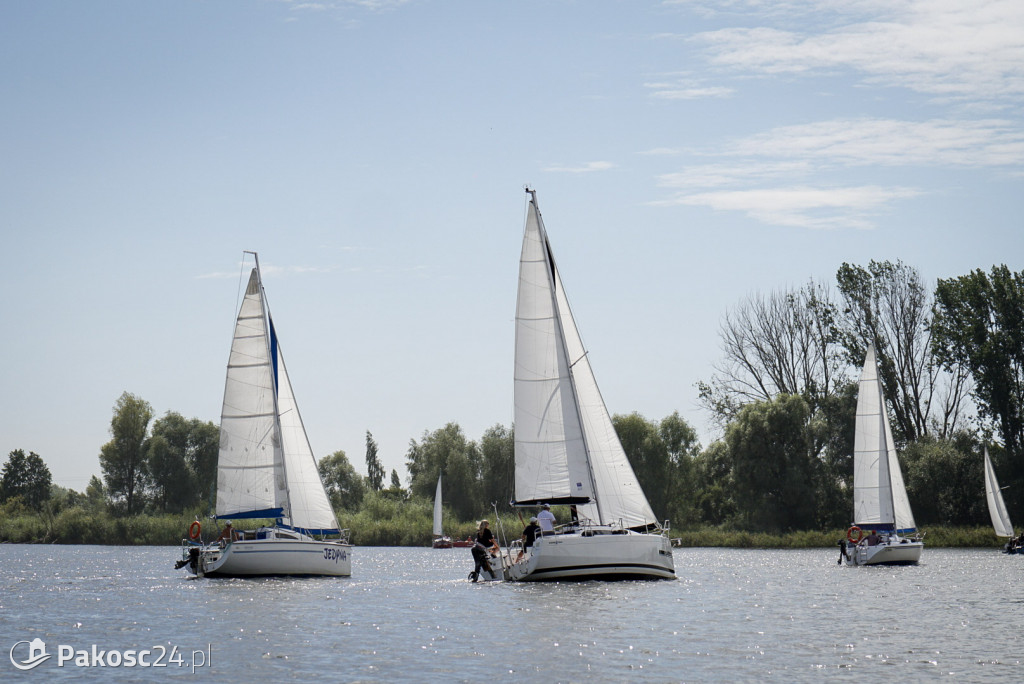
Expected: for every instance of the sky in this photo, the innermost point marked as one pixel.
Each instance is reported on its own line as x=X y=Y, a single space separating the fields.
x=686 y=155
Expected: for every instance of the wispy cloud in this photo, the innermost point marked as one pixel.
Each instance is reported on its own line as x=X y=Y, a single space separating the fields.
x=759 y=174
x=951 y=50
x=801 y=206
x=686 y=89
x=585 y=168
x=267 y=270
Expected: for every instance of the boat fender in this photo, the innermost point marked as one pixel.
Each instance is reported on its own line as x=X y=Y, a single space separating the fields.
x=854 y=530
x=195 y=529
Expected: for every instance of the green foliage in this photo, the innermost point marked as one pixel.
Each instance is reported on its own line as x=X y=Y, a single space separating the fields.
x=447 y=452
x=979 y=323
x=374 y=468
x=27 y=478
x=345 y=487
x=661 y=456
x=123 y=459
x=181 y=462
x=945 y=481
x=497 y=450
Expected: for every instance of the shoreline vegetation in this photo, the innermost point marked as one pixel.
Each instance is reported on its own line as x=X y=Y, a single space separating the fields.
x=78 y=526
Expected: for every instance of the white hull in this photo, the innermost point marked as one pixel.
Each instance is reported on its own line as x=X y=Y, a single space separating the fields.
x=896 y=552
x=276 y=557
x=596 y=553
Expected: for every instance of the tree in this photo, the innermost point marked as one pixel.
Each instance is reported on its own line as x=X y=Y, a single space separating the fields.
x=374 y=469
x=447 y=452
x=497 y=451
x=345 y=487
x=181 y=459
x=123 y=459
x=661 y=457
x=785 y=343
x=774 y=473
x=26 y=477
x=945 y=481
x=887 y=305
x=979 y=324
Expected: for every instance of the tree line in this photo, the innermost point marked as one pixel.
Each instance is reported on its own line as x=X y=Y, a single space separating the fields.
x=783 y=398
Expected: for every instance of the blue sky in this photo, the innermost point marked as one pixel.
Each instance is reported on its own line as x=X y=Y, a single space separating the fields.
x=685 y=155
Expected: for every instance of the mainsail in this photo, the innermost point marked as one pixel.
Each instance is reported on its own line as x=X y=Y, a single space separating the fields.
x=265 y=467
x=437 y=509
x=996 y=506
x=879 y=496
x=566 y=448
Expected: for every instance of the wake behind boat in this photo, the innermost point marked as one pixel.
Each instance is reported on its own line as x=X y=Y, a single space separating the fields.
x=883 y=531
x=566 y=448
x=265 y=467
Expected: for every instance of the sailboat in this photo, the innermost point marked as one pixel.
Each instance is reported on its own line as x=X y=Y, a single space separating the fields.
x=266 y=468
x=880 y=504
x=441 y=540
x=997 y=507
x=566 y=448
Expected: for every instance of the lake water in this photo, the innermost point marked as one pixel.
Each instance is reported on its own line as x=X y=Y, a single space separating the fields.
x=410 y=615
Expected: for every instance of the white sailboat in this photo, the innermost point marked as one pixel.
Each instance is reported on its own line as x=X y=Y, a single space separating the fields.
x=997 y=507
x=880 y=504
x=441 y=541
x=266 y=468
x=566 y=448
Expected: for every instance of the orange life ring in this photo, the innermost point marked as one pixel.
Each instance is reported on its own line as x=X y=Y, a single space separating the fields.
x=849 y=534
x=194 y=530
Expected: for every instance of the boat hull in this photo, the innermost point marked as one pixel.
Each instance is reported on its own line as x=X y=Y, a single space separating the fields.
x=596 y=554
x=895 y=552
x=263 y=557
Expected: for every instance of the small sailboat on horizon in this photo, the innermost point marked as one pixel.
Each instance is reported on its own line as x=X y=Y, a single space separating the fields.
x=566 y=448
x=880 y=504
x=440 y=539
x=997 y=508
x=265 y=466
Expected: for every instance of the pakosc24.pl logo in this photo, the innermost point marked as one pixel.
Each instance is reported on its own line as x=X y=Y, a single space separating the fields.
x=26 y=655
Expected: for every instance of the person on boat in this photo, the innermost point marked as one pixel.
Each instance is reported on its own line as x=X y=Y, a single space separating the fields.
x=483 y=544
x=873 y=538
x=546 y=519
x=227 y=535
x=529 y=536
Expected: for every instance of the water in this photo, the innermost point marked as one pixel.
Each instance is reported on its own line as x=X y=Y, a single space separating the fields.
x=410 y=615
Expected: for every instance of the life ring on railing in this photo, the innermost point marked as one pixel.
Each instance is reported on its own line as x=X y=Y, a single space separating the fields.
x=850 y=532
x=194 y=530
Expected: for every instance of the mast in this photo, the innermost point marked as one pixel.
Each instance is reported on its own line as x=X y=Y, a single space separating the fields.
x=553 y=280
x=271 y=341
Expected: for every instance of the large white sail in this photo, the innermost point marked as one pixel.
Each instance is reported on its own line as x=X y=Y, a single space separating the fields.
x=550 y=455
x=996 y=506
x=437 y=509
x=308 y=509
x=250 y=465
x=566 y=445
x=879 y=496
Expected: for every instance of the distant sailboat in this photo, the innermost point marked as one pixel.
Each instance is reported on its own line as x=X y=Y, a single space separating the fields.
x=441 y=540
x=997 y=507
x=880 y=503
x=566 y=448
x=265 y=467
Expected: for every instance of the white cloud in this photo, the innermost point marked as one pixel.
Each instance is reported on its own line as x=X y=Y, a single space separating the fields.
x=802 y=207
x=586 y=168
x=945 y=48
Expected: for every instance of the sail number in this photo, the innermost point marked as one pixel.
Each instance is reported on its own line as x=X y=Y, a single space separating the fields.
x=335 y=554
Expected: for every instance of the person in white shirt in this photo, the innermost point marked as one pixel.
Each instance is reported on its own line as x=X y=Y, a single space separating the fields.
x=546 y=519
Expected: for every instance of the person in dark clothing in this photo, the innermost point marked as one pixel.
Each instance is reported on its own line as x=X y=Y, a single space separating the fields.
x=529 y=536
x=482 y=545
